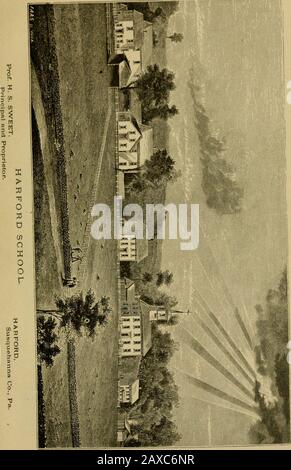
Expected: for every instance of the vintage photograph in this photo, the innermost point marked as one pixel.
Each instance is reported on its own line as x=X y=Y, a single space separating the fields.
x=141 y=343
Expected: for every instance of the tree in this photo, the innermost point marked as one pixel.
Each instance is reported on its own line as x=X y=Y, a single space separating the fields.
x=162 y=10
x=272 y=325
x=272 y=329
x=153 y=88
x=259 y=434
x=132 y=442
x=163 y=348
x=168 y=301
x=156 y=172
x=138 y=275
x=147 y=277
x=152 y=413
x=176 y=37
x=173 y=320
x=219 y=184
x=47 y=348
x=170 y=7
x=164 y=277
x=80 y=311
x=152 y=297
x=149 y=14
x=282 y=381
x=160 y=168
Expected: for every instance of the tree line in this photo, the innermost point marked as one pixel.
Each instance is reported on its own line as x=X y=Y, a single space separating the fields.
x=273 y=368
x=152 y=414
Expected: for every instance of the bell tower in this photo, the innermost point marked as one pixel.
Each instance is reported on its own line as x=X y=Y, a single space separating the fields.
x=160 y=313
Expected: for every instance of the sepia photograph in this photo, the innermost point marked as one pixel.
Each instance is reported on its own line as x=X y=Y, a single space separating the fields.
x=180 y=337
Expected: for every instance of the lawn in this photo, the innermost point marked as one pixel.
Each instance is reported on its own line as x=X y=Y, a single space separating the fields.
x=80 y=36
x=79 y=39
x=46 y=273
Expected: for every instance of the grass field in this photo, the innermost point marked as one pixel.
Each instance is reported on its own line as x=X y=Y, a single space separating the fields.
x=84 y=103
x=45 y=254
x=80 y=35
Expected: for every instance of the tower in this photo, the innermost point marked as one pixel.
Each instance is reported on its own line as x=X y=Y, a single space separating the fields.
x=160 y=313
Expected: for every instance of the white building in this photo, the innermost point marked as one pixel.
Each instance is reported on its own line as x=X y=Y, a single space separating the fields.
x=132 y=249
x=135 y=142
x=128 y=383
x=129 y=131
x=133 y=47
x=128 y=30
x=135 y=329
x=130 y=330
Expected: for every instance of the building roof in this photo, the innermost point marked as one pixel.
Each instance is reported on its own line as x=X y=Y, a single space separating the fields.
x=135 y=123
x=139 y=28
x=122 y=65
x=116 y=59
x=127 y=115
x=135 y=104
x=146 y=144
x=138 y=25
x=123 y=424
x=128 y=282
x=128 y=370
x=129 y=290
x=147 y=46
x=130 y=309
x=134 y=58
x=120 y=184
x=146 y=328
x=141 y=249
x=124 y=74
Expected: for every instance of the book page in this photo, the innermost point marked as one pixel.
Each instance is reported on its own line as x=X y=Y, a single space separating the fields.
x=144 y=224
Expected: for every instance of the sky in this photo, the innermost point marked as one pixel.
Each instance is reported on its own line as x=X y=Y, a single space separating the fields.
x=233 y=50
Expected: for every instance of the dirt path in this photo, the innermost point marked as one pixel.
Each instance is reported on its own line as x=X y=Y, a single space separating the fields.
x=87 y=238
